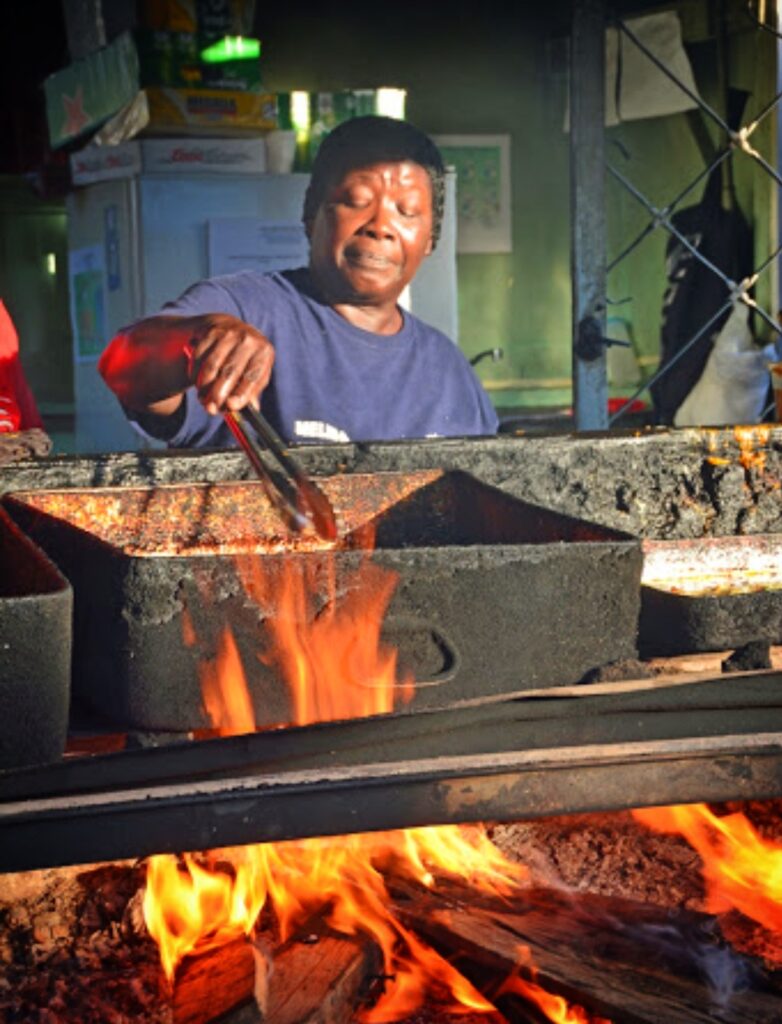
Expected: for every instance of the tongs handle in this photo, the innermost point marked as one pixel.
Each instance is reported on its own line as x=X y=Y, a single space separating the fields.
x=304 y=504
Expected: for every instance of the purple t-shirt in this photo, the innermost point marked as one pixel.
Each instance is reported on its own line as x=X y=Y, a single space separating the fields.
x=333 y=381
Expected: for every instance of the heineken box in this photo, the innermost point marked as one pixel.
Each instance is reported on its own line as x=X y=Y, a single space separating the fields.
x=88 y=92
x=176 y=60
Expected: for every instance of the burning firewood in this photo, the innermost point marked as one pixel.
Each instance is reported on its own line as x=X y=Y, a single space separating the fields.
x=209 y=985
x=628 y=962
x=314 y=978
x=319 y=979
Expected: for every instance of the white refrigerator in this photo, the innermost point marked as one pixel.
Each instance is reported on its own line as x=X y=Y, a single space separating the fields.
x=137 y=242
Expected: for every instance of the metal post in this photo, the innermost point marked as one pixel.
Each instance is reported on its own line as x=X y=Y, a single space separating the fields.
x=587 y=211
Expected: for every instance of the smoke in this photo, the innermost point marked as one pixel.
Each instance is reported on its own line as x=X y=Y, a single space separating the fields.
x=683 y=943
x=697 y=949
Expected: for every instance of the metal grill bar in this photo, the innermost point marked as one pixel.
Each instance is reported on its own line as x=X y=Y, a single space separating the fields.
x=599 y=749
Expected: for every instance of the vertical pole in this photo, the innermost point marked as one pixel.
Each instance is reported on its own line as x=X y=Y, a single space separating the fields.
x=587 y=213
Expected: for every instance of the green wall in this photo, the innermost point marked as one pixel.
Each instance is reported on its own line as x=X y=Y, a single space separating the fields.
x=465 y=73
x=472 y=70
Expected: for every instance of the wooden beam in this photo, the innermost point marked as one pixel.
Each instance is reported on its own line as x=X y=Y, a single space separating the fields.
x=319 y=982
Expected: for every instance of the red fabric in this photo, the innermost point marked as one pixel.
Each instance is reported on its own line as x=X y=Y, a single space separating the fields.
x=18 y=410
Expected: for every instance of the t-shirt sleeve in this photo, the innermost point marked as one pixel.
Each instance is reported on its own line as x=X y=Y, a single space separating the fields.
x=195 y=428
x=209 y=296
x=468 y=409
x=488 y=419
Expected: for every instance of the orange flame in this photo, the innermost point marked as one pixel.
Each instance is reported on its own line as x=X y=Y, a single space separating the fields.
x=196 y=903
x=335 y=667
x=331 y=657
x=224 y=690
x=557 y=1009
x=741 y=869
x=753 y=444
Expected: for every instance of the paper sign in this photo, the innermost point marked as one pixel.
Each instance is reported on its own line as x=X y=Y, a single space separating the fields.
x=86 y=269
x=242 y=243
x=483 y=213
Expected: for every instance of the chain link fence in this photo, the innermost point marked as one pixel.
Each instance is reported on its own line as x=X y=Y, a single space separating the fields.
x=687 y=245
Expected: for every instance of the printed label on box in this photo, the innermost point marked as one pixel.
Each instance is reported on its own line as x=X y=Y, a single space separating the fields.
x=101 y=163
x=214 y=156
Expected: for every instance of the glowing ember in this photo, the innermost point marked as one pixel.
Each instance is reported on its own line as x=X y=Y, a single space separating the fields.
x=741 y=870
x=753 y=447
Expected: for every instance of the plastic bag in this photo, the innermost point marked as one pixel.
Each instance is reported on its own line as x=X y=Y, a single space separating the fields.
x=734 y=383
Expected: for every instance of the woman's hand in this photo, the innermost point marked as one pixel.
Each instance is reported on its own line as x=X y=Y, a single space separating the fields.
x=231 y=362
x=152 y=364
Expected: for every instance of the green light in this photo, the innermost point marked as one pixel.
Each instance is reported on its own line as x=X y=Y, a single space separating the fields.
x=231 y=48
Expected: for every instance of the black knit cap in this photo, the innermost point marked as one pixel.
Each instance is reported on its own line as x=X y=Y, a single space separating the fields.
x=362 y=141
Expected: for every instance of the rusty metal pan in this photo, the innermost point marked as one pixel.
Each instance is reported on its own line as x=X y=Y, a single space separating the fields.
x=36 y=604
x=710 y=594
x=494 y=595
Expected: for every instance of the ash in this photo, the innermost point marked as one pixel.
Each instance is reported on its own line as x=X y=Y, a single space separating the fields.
x=73 y=947
x=607 y=854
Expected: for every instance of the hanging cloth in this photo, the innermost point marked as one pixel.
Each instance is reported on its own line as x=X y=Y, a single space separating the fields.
x=695 y=293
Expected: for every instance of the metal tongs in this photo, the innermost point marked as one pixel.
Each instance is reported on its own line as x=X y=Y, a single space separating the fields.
x=300 y=502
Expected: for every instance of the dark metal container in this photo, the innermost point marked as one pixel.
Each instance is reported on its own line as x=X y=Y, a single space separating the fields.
x=36 y=605
x=710 y=594
x=494 y=595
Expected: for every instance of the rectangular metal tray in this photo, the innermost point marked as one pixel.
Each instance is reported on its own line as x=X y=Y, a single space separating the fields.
x=36 y=604
x=495 y=596
x=710 y=594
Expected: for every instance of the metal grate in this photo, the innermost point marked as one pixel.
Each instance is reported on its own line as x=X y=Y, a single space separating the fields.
x=734 y=141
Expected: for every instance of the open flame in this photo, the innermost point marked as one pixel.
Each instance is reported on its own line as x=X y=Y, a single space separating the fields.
x=741 y=869
x=332 y=659
x=554 y=1007
x=335 y=667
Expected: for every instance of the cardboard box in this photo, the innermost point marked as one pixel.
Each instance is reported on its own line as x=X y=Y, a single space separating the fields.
x=82 y=96
x=168 y=156
x=210 y=18
x=173 y=60
x=102 y=163
x=216 y=111
x=168 y=15
x=168 y=58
